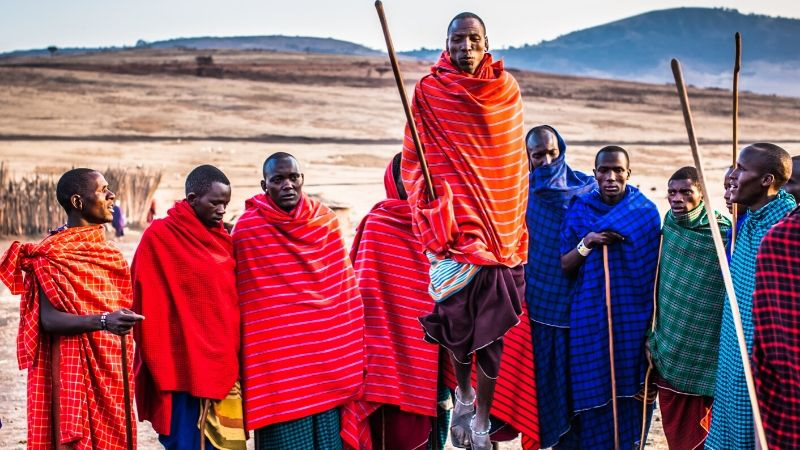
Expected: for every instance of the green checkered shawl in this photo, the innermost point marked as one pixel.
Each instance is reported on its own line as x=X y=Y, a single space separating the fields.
x=691 y=295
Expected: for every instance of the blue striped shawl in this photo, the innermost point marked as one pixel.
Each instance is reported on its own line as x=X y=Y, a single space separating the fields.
x=551 y=189
x=632 y=265
x=732 y=418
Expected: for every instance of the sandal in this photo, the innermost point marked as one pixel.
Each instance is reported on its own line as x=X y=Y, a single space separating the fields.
x=480 y=439
x=460 y=422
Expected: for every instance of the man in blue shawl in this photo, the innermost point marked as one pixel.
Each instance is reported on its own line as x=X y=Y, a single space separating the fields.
x=552 y=186
x=756 y=184
x=620 y=217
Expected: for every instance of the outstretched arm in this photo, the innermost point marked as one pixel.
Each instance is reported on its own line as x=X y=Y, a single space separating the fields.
x=63 y=323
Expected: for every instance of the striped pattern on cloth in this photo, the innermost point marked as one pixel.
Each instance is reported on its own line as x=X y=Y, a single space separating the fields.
x=401 y=368
x=80 y=273
x=731 y=416
x=448 y=276
x=472 y=132
x=302 y=314
x=690 y=299
x=632 y=266
x=776 y=340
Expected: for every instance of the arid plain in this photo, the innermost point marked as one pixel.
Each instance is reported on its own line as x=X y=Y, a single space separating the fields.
x=340 y=115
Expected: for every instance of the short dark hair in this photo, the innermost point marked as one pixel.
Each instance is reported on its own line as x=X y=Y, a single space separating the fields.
x=466 y=15
x=540 y=130
x=202 y=177
x=776 y=161
x=73 y=182
x=277 y=156
x=612 y=149
x=686 y=173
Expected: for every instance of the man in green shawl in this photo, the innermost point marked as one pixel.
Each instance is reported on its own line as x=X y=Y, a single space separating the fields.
x=690 y=295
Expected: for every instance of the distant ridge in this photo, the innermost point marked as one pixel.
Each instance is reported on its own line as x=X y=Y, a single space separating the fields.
x=639 y=48
x=303 y=44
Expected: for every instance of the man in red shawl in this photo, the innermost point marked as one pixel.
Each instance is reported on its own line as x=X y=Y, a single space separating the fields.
x=187 y=354
x=468 y=111
x=776 y=339
x=398 y=405
x=76 y=292
x=302 y=314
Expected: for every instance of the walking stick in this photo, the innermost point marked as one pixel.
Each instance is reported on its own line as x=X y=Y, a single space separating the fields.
x=412 y=127
x=652 y=330
x=737 y=65
x=720 y=248
x=611 y=347
x=126 y=392
x=203 y=417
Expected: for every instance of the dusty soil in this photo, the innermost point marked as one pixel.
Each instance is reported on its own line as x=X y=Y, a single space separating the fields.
x=339 y=115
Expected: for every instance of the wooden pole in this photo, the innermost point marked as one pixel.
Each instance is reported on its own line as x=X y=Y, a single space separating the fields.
x=652 y=330
x=720 y=248
x=611 y=347
x=423 y=163
x=203 y=418
x=126 y=393
x=737 y=66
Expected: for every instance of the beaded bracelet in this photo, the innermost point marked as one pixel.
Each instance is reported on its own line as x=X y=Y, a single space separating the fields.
x=103 y=325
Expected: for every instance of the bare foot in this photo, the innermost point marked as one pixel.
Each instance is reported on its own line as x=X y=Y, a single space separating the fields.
x=463 y=410
x=480 y=436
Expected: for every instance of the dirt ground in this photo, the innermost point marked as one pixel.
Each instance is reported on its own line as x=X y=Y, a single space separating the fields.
x=340 y=116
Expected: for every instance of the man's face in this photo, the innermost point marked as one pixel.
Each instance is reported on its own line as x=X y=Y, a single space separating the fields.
x=749 y=182
x=793 y=185
x=467 y=43
x=283 y=182
x=210 y=207
x=727 y=184
x=542 y=149
x=612 y=173
x=96 y=202
x=683 y=196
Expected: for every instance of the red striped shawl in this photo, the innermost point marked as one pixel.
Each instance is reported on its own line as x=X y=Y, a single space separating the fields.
x=392 y=272
x=302 y=314
x=472 y=132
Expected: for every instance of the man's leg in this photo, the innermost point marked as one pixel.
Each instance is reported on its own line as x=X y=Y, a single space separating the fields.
x=488 y=362
x=463 y=408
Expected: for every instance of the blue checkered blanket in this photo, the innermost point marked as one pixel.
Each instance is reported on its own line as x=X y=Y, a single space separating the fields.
x=551 y=189
x=632 y=265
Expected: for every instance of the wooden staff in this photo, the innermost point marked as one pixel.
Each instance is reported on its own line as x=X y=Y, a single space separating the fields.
x=126 y=392
x=607 y=274
x=404 y=98
x=737 y=65
x=720 y=248
x=652 y=330
x=203 y=417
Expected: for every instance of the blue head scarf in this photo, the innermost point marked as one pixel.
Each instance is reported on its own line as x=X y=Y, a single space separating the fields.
x=552 y=186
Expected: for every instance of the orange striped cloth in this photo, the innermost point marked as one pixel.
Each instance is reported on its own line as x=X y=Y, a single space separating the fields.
x=472 y=132
x=302 y=314
x=80 y=273
x=392 y=271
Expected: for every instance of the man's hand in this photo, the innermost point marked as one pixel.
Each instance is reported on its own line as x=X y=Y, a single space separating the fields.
x=594 y=240
x=121 y=321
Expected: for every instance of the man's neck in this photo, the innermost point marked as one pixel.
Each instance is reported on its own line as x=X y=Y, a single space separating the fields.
x=76 y=221
x=763 y=201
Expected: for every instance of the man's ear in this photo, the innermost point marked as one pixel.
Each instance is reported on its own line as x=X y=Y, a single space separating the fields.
x=486 y=42
x=264 y=185
x=767 y=180
x=191 y=197
x=629 y=175
x=76 y=201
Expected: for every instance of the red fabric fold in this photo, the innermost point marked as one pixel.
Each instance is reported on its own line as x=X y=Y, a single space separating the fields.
x=392 y=271
x=80 y=273
x=472 y=132
x=185 y=285
x=302 y=314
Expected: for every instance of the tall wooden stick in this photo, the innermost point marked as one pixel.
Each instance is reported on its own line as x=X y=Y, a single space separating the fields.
x=611 y=346
x=423 y=163
x=737 y=66
x=720 y=248
x=652 y=330
x=126 y=392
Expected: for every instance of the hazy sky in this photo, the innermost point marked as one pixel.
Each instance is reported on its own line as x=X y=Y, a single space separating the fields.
x=28 y=24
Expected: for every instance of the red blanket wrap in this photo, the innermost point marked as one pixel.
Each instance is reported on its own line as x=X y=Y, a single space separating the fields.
x=302 y=314
x=472 y=133
x=392 y=271
x=184 y=283
x=776 y=339
x=80 y=273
